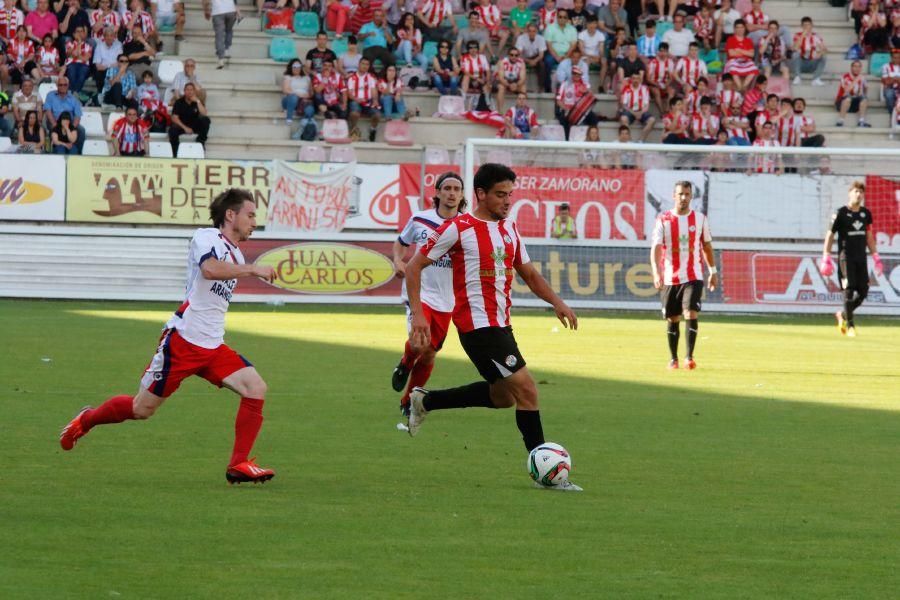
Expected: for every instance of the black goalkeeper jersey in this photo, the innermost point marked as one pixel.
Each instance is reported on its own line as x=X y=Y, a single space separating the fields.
x=851 y=228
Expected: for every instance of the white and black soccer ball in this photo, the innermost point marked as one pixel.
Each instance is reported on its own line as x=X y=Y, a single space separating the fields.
x=549 y=464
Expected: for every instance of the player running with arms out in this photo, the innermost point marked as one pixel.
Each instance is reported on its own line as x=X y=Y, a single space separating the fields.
x=436 y=286
x=853 y=226
x=680 y=238
x=192 y=340
x=485 y=254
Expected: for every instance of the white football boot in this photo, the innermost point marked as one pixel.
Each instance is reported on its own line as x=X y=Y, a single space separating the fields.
x=566 y=486
x=417 y=412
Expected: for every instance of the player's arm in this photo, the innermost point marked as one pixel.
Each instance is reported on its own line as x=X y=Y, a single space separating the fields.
x=656 y=253
x=539 y=286
x=419 y=333
x=873 y=250
x=710 y=257
x=221 y=271
x=829 y=242
x=399 y=252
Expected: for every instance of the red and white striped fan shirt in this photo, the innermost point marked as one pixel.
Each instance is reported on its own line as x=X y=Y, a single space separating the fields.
x=435 y=11
x=131 y=137
x=636 y=101
x=703 y=26
x=545 y=17
x=332 y=86
x=362 y=87
x=756 y=17
x=850 y=86
x=692 y=101
x=660 y=71
x=475 y=66
x=889 y=71
x=19 y=51
x=785 y=133
x=511 y=69
x=415 y=37
x=10 y=21
x=672 y=122
x=766 y=163
x=797 y=122
x=737 y=132
x=143 y=17
x=808 y=44
x=682 y=238
x=726 y=98
x=489 y=16
x=705 y=126
x=110 y=19
x=570 y=91
x=82 y=48
x=390 y=89
x=483 y=256
x=690 y=70
x=763 y=117
x=522 y=116
x=48 y=58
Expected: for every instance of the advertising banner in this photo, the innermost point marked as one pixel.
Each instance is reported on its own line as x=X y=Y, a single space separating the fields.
x=883 y=197
x=379 y=196
x=607 y=204
x=410 y=183
x=32 y=188
x=311 y=201
x=660 y=186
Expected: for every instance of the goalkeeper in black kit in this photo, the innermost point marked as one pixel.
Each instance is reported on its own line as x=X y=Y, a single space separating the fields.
x=853 y=226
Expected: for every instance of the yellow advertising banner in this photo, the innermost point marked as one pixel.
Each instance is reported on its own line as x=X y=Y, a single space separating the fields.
x=160 y=191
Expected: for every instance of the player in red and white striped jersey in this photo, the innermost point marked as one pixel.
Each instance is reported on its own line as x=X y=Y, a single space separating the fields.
x=851 y=95
x=192 y=341
x=681 y=242
x=436 y=285
x=486 y=253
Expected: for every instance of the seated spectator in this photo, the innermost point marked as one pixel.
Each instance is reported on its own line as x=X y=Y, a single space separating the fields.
x=756 y=22
x=362 y=14
x=740 y=65
x=390 y=91
x=432 y=14
x=376 y=36
x=41 y=21
x=20 y=58
x=616 y=49
x=139 y=50
x=520 y=121
x=296 y=89
x=704 y=27
x=809 y=53
x=648 y=44
x=188 y=75
x=11 y=20
x=475 y=32
x=168 y=14
x=70 y=17
x=574 y=101
x=26 y=100
x=768 y=163
x=857 y=10
x=634 y=105
x=619 y=159
x=676 y=123
x=660 y=76
x=476 y=71
x=771 y=113
x=689 y=69
x=533 y=47
x=563 y=225
x=409 y=42
x=120 y=87
x=337 y=15
x=64 y=136
x=130 y=135
x=591 y=43
x=106 y=55
x=445 y=70
x=546 y=15
x=148 y=90
x=728 y=94
x=104 y=18
x=138 y=16
x=31 y=134
x=735 y=124
x=6 y=126
x=78 y=62
x=773 y=53
x=188 y=118
x=519 y=18
x=348 y=62
x=489 y=16
x=362 y=96
x=804 y=127
x=784 y=130
x=890 y=79
x=590 y=157
x=566 y=68
x=510 y=76
x=688 y=8
x=395 y=9
x=628 y=65
x=692 y=99
x=874 y=33
x=319 y=53
x=612 y=16
x=704 y=124
x=561 y=40
x=330 y=92
x=62 y=101
x=578 y=16
x=755 y=100
x=725 y=18
x=679 y=38
x=852 y=95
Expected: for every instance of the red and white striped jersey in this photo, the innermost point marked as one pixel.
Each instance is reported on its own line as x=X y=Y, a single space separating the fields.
x=511 y=69
x=390 y=89
x=692 y=101
x=489 y=16
x=737 y=132
x=483 y=256
x=705 y=126
x=785 y=133
x=851 y=86
x=570 y=91
x=436 y=287
x=545 y=17
x=110 y=19
x=671 y=122
x=766 y=163
x=18 y=51
x=83 y=49
x=763 y=117
x=808 y=44
x=143 y=17
x=415 y=37
x=48 y=58
x=690 y=70
x=435 y=11
x=523 y=119
x=10 y=21
x=890 y=71
x=756 y=17
x=636 y=101
x=797 y=122
x=726 y=98
x=362 y=88
x=703 y=26
x=475 y=66
x=660 y=71
x=201 y=318
x=131 y=137
x=682 y=238
x=332 y=86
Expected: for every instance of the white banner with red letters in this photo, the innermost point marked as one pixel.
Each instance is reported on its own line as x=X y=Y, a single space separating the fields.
x=301 y=201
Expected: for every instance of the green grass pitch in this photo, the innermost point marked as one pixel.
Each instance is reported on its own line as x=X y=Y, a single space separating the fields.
x=770 y=472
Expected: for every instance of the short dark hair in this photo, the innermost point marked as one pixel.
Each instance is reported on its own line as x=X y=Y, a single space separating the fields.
x=230 y=199
x=774 y=22
x=727 y=77
x=803 y=100
x=704 y=80
x=352 y=39
x=663 y=46
x=624 y=128
x=805 y=20
x=761 y=79
x=770 y=96
x=684 y=183
x=147 y=72
x=650 y=24
x=705 y=101
x=490 y=174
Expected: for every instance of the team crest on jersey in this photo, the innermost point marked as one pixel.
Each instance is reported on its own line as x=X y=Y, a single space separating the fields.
x=692 y=228
x=511 y=361
x=499 y=255
x=507 y=239
x=857 y=225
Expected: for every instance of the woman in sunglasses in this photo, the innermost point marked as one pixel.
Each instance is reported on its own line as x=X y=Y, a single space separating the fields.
x=446 y=71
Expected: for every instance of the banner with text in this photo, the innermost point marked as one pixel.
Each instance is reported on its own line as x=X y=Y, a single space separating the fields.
x=32 y=188
x=311 y=201
x=883 y=197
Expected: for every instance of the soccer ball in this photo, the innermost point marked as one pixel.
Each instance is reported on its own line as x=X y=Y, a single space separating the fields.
x=549 y=464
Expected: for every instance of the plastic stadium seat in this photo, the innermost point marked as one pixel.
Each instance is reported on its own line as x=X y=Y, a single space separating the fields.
x=306 y=24
x=779 y=86
x=342 y=154
x=711 y=55
x=436 y=156
x=398 y=133
x=5 y=144
x=95 y=148
x=507 y=5
x=578 y=133
x=191 y=150
x=451 y=107
x=111 y=120
x=92 y=121
x=335 y=131
x=339 y=46
x=44 y=89
x=503 y=157
x=161 y=150
x=282 y=49
x=312 y=153
x=168 y=69
x=662 y=27
x=462 y=22
x=743 y=6
x=430 y=50
x=878 y=60
x=553 y=132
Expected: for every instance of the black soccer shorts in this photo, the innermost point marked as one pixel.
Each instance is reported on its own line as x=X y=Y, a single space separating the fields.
x=853 y=273
x=493 y=351
x=681 y=298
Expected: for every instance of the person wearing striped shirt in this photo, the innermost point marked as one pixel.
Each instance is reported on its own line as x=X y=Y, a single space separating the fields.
x=852 y=95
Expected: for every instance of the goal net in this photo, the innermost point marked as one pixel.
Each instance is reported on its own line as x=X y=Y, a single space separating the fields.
x=769 y=209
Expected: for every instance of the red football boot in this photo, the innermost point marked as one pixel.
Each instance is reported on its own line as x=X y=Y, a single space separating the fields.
x=691 y=365
x=72 y=432
x=248 y=471
x=673 y=364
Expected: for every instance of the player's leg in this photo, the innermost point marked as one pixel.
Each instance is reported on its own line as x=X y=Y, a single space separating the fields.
x=856 y=290
x=691 y=307
x=408 y=360
x=671 y=308
x=439 y=322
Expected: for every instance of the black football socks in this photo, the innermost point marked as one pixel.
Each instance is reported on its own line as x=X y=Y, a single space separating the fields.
x=529 y=423
x=674 y=333
x=473 y=395
x=691 y=336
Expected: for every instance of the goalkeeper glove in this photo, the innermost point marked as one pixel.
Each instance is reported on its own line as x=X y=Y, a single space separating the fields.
x=879 y=266
x=826 y=267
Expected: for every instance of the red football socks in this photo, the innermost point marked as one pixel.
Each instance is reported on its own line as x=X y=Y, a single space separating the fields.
x=418 y=377
x=409 y=356
x=246 y=428
x=114 y=410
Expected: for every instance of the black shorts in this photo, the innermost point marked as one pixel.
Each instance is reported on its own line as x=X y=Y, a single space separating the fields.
x=853 y=272
x=681 y=298
x=493 y=351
